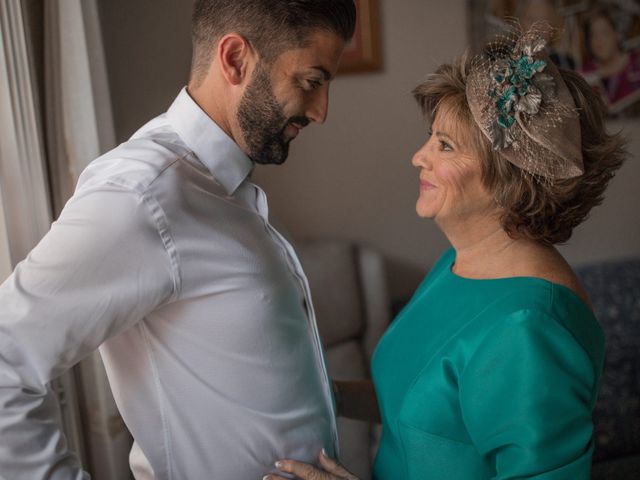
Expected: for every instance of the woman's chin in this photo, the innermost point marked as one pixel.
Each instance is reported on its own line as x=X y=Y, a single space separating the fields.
x=424 y=212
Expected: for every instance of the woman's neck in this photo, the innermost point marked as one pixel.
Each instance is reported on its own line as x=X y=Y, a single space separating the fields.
x=485 y=250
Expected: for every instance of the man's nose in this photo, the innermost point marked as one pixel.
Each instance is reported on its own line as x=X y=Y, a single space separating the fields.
x=319 y=105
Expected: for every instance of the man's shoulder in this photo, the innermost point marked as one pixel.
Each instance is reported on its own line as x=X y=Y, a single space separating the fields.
x=138 y=162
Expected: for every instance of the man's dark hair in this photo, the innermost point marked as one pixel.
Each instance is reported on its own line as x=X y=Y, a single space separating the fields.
x=271 y=26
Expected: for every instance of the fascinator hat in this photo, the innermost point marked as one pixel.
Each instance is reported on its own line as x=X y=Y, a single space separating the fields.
x=522 y=105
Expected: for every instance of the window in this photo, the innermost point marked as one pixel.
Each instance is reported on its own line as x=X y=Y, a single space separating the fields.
x=5 y=260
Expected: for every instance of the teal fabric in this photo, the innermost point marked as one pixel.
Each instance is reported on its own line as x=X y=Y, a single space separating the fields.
x=488 y=379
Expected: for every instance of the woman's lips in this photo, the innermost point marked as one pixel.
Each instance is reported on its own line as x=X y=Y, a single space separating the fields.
x=424 y=185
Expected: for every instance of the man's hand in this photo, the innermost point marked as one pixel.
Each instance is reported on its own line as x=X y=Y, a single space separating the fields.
x=332 y=470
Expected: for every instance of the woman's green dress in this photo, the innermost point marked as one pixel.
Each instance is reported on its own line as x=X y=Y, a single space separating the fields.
x=488 y=379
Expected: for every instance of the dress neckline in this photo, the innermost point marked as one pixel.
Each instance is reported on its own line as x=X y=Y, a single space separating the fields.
x=523 y=278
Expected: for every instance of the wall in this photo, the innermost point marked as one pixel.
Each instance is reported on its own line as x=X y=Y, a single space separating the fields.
x=352 y=177
x=148 y=52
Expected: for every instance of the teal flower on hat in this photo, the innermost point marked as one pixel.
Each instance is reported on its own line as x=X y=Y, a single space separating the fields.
x=518 y=86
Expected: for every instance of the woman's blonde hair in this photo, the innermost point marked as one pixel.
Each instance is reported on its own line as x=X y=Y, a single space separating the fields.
x=543 y=210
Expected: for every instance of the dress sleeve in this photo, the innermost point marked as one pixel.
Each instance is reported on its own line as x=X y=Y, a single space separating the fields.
x=101 y=268
x=526 y=396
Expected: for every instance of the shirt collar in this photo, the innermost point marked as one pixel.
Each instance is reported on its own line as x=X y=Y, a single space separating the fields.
x=213 y=147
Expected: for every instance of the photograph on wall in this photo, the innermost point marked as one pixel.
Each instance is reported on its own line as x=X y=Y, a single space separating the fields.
x=600 y=39
x=362 y=54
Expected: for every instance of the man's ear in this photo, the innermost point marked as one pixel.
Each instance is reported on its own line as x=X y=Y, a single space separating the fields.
x=236 y=58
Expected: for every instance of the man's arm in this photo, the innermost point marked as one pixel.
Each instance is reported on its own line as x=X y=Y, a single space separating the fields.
x=357 y=399
x=101 y=268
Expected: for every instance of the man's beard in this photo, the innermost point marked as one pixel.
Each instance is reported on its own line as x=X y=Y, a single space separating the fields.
x=263 y=122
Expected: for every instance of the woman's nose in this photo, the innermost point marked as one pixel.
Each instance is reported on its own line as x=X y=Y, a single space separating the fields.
x=421 y=158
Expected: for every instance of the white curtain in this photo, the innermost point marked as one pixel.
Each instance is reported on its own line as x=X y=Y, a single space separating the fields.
x=79 y=129
x=79 y=123
x=5 y=259
x=23 y=175
x=22 y=163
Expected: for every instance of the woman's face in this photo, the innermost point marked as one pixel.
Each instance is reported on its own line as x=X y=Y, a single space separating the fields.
x=451 y=188
x=603 y=39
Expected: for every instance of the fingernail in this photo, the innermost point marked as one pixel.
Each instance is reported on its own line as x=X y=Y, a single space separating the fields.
x=266 y=477
x=279 y=464
x=324 y=452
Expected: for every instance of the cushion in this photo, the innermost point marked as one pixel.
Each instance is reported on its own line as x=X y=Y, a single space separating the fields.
x=332 y=272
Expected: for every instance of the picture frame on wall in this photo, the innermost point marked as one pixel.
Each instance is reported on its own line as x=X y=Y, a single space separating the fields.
x=363 y=54
x=600 y=39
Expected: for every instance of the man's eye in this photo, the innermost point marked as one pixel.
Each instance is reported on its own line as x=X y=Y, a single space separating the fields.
x=313 y=84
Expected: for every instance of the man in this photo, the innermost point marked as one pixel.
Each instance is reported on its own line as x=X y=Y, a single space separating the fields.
x=166 y=260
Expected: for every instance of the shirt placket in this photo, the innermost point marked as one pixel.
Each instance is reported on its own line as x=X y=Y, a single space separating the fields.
x=298 y=273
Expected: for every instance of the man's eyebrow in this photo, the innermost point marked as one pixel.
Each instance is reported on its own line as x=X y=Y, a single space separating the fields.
x=325 y=73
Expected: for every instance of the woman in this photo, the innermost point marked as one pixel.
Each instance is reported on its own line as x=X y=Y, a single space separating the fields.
x=492 y=369
x=613 y=72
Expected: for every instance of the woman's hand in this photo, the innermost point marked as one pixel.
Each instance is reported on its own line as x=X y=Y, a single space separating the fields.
x=332 y=470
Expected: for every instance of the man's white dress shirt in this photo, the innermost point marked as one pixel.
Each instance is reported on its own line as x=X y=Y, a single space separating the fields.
x=166 y=260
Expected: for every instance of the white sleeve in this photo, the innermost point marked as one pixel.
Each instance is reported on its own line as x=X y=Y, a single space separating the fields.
x=103 y=266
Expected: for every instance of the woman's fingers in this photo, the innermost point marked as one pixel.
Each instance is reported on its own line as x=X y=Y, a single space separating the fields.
x=334 y=471
x=301 y=470
x=334 y=467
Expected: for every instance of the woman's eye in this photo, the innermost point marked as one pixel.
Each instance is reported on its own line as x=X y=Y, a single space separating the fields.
x=445 y=146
